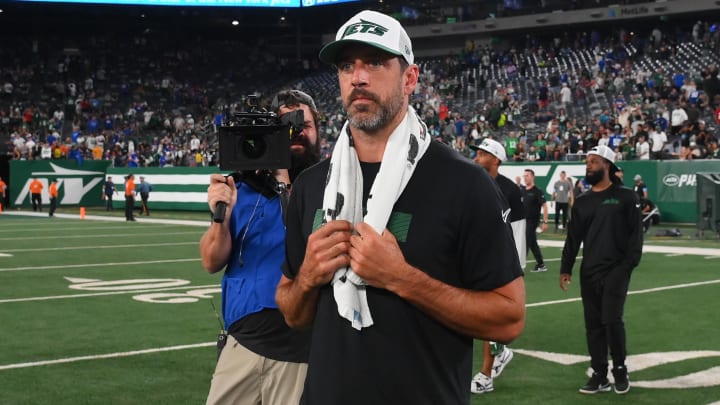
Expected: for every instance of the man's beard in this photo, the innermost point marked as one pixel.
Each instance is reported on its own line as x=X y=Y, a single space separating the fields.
x=371 y=124
x=594 y=177
x=300 y=161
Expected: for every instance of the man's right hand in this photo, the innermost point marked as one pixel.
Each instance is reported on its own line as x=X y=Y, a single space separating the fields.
x=221 y=189
x=565 y=280
x=326 y=252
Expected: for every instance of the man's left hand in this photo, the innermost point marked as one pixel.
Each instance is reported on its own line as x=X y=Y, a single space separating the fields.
x=377 y=258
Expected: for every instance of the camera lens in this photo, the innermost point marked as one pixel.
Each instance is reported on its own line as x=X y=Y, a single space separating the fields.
x=253 y=147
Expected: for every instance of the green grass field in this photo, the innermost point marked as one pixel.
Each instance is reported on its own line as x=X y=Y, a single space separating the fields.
x=110 y=312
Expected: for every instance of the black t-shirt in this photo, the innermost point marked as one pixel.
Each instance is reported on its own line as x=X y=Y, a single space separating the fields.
x=449 y=224
x=533 y=199
x=608 y=223
x=640 y=189
x=514 y=197
x=266 y=333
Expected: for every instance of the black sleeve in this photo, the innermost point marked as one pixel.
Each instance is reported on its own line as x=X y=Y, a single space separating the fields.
x=572 y=240
x=295 y=242
x=635 y=236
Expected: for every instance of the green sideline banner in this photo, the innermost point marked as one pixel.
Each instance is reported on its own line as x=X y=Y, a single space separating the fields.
x=671 y=184
x=78 y=185
x=173 y=188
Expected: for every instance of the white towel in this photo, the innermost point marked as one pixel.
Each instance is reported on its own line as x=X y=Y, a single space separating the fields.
x=343 y=200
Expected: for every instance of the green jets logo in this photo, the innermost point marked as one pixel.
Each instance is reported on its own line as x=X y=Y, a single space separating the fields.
x=364 y=27
x=611 y=201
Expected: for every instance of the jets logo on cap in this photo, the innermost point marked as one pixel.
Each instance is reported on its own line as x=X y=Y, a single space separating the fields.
x=364 y=27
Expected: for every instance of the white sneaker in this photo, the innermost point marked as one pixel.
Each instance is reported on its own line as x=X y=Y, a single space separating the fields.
x=481 y=384
x=501 y=361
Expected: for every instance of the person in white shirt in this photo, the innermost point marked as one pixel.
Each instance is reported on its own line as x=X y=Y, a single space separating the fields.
x=642 y=148
x=677 y=118
x=565 y=95
x=657 y=141
x=194 y=143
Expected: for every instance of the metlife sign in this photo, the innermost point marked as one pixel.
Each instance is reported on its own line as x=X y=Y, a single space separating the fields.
x=77 y=184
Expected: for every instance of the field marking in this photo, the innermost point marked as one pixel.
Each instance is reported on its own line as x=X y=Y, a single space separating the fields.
x=649 y=290
x=62 y=229
x=208 y=344
x=163 y=221
x=97 y=247
x=695 y=251
x=106 y=356
x=71 y=266
x=99 y=294
x=108 y=235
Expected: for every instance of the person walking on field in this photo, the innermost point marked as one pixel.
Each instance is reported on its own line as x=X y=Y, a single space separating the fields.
x=607 y=221
x=129 y=197
x=490 y=155
x=36 y=188
x=53 y=191
x=144 y=189
x=534 y=200
x=109 y=191
x=563 y=197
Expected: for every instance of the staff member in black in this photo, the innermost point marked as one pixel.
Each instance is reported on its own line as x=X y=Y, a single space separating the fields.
x=109 y=191
x=608 y=222
x=534 y=200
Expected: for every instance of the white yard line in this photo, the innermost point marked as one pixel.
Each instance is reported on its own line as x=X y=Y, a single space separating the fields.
x=113 y=219
x=105 y=235
x=63 y=228
x=695 y=251
x=105 y=356
x=649 y=290
x=73 y=266
x=100 y=294
x=98 y=247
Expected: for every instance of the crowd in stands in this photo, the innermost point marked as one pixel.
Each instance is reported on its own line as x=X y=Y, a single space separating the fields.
x=141 y=102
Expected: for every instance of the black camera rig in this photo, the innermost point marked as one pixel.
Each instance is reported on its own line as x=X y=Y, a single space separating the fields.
x=252 y=144
x=258 y=139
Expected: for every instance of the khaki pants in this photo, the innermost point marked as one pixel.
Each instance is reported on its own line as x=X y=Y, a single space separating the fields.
x=242 y=377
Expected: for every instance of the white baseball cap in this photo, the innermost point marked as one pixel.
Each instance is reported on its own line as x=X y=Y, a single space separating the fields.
x=374 y=29
x=492 y=147
x=604 y=152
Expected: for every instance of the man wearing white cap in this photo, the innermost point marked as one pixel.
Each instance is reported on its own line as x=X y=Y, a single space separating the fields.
x=398 y=252
x=490 y=155
x=607 y=221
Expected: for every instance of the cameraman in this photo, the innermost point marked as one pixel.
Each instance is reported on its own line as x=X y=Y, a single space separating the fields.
x=263 y=359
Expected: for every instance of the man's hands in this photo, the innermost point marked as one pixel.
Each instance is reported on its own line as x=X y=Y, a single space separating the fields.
x=222 y=189
x=326 y=252
x=376 y=258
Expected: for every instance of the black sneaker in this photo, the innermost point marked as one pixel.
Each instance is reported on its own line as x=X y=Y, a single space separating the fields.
x=622 y=384
x=596 y=384
x=539 y=269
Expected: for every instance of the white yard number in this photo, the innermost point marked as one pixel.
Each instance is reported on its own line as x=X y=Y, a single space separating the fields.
x=152 y=289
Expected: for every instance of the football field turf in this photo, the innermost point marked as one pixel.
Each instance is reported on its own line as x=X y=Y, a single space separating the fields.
x=111 y=312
